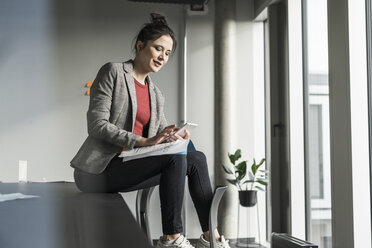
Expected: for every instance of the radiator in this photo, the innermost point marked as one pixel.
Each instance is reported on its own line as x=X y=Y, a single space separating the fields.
x=283 y=240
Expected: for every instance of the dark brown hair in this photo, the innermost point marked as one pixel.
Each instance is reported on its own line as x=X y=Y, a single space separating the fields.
x=154 y=30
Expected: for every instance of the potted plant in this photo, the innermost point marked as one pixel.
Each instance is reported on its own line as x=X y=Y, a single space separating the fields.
x=257 y=178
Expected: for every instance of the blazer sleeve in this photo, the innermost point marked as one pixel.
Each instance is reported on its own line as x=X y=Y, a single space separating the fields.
x=163 y=123
x=98 y=114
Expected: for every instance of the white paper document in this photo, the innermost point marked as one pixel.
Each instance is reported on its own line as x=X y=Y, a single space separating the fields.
x=177 y=147
x=15 y=196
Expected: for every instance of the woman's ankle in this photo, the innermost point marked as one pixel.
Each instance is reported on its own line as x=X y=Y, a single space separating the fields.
x=216 y=234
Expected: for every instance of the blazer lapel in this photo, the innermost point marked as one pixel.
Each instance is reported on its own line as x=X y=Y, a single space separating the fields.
x=153 y=117
x=128 y=68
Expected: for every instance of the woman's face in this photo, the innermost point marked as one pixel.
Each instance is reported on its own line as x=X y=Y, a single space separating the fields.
x=155 y=54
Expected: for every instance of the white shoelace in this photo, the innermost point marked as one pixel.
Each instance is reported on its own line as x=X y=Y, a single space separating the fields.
x=224 y=244
x=185 y=244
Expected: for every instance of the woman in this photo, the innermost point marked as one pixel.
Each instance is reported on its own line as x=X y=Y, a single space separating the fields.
x=126 y=110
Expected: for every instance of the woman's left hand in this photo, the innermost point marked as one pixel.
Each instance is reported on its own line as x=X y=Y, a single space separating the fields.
x=186 y=137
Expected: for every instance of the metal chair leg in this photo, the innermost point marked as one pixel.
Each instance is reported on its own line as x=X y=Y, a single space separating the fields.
x=218 y=193
x=142 y=206
x=138 y=207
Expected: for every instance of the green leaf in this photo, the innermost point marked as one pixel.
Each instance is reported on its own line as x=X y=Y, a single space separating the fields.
x=262 y=175
x=235 y=157
x=262 y=179
x=248 y=181
x=260 y=188
x=233 y=181
x=253 y=167
x=238 y=154
x=262 y=182
x=261 y=162
x=236 y=173
x=227 y=170
x=232 y=158
x=241 y=169
x=241 y=176
x=242 y=166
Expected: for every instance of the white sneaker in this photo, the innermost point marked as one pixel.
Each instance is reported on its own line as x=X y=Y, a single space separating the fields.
x=202 y=243
x=180 y=242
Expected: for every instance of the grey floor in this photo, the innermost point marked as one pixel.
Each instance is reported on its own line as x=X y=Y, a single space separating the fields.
x=232 y=244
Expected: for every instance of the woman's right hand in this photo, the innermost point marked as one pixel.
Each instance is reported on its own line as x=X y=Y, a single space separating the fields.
x=157 y=139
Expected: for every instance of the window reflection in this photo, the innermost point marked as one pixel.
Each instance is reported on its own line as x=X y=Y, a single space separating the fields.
x=317 y=112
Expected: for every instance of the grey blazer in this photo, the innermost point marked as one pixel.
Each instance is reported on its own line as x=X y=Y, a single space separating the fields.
x=111 y=116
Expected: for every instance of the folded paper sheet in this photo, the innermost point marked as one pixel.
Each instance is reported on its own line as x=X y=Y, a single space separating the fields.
x=177 y=147
x=15 y=196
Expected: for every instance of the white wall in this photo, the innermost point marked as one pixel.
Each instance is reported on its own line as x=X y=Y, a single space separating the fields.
x=49 y=49
x=200 y=93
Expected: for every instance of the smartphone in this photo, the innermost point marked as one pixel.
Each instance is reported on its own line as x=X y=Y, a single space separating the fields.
x=188 y=126
x=181 y=131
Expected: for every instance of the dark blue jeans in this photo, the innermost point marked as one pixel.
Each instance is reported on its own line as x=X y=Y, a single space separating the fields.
x=167 y=171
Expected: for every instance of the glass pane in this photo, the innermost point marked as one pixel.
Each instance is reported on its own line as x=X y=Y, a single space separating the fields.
x=317 y=124
x=316 y=151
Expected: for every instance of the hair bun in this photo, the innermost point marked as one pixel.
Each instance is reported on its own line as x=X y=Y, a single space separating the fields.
x=158 y=19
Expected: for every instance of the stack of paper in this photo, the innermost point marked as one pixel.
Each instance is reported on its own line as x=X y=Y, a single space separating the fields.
x=177 y=147
x=15 y=196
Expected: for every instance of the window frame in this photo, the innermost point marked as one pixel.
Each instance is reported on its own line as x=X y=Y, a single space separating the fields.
x=369 y=82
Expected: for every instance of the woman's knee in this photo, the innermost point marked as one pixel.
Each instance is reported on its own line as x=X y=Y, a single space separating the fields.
x=196 y=161
x=178 y=160
x=197 y=157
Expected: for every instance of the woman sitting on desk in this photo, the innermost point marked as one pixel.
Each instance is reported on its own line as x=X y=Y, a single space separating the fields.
x=126 y=110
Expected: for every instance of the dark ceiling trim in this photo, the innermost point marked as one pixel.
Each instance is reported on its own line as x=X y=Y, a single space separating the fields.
x=261 y=5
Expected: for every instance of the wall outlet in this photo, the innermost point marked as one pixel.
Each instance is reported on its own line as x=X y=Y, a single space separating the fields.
x=22 y=170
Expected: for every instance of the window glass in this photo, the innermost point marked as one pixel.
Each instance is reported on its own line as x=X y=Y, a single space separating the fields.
x=316 y=149
x=359 y=23
x=317 y=144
